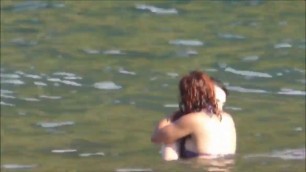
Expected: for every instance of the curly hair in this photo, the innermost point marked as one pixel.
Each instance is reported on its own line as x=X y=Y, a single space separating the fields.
x=196 y=93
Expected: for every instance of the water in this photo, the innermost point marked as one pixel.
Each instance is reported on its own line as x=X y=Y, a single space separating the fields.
x=82 y=84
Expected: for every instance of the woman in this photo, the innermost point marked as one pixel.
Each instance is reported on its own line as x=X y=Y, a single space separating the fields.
x=200 y=126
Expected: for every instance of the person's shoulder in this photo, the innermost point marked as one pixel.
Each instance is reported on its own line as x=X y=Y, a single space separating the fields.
x=227 y=117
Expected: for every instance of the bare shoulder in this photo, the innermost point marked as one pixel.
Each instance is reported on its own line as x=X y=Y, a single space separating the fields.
x=227 y=117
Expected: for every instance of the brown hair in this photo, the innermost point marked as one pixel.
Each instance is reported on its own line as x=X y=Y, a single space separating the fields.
x=196 y=93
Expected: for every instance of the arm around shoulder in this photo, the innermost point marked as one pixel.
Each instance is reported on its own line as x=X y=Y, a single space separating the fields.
x=175 y=130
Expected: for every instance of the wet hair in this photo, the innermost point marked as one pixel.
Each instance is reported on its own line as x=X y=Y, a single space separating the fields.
x=196 y=93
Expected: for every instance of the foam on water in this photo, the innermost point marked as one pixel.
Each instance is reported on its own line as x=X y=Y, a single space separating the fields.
x=23 y=42
x=6 y=104
x=107 y=85
x=245 y=90
x=40 y=83
x=248 y=73
x=7 y=96
x=73 y=77
x=6 y=91
x=186 y=42
x=289 y=91
x=211 y=70
x=173 y=74
x=67 y=82
x=54 y=124
x=12 y=81
x=50 y=97
x=156 y=10
x=71 y=83
x=30 y=99
x=10 y=76
x=92 y=154
x=287 y=154
x=18 y=166
x=91 y=51
x=35 y=5
x=54 y=79
x=63 y=150
x=233 y=108
x=123 y=71
x=171 y=105
x=63 y=74
x=250 y=58
x=282 y=45
x=32 y=76
x=230 y=36
x=113 y=52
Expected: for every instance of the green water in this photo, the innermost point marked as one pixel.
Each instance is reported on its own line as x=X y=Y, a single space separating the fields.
x=256 y=47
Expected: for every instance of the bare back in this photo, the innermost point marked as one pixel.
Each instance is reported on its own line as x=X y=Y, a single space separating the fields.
x=212 y=136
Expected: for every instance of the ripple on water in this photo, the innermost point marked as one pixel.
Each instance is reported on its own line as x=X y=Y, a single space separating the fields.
x=107 y=85
x=10 y=76
x=12 y=81
x=32 y=76
x=40 y=83
x=171 y=105
x=30 y=99
x=134 y=170
x=55 y=124
x=287 y=154
x=18 y=166
x=67 y=82
x=23 y=42
x=123 y=71
x=248 y=73
x=245 y=90
x=289 y=91
x=282 y=45
x=250 y=58
x=35 y=5
x=186 y=53
x=173 y=74
x=6 y=104
x=230 y=36
x=50 y=97
x=233 y=108
x=186 y=42
x=6 y=91
x=64 y=74
x=156 y=10
x=63 y=150
x=92 y=154
x=113 y=52
x=7 y=96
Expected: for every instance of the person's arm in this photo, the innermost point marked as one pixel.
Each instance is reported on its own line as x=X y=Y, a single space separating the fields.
x=174 y=131
x=169 y=152
x=232 y=131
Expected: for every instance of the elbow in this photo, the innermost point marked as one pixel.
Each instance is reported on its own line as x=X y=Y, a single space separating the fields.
x=155 y=140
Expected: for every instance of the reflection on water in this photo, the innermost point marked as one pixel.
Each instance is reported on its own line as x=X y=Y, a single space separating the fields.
x=224 y=164
x=287 y=154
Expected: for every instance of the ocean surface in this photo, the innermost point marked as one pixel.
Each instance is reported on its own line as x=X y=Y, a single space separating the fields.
x=83 y=83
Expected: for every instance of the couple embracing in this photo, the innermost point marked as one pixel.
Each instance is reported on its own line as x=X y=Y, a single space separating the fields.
x=200 y=128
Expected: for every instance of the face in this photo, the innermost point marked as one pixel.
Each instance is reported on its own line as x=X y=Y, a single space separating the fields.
x=220 y=97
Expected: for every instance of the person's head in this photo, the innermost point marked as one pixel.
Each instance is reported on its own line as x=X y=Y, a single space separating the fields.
x=221 y=93
x=197 y=92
